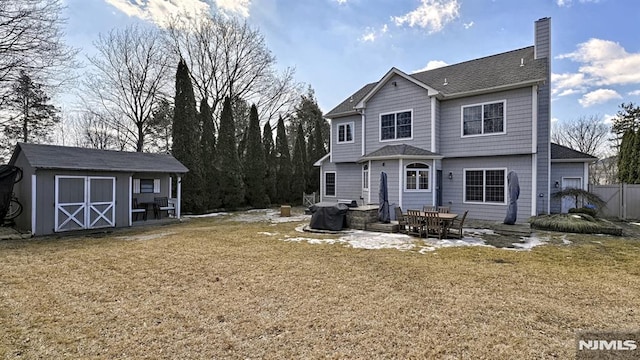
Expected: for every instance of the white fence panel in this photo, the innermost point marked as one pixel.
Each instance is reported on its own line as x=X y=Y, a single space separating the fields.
x=623 y=200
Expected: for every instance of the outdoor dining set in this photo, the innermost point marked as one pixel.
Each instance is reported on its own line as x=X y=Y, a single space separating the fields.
x=430 y=221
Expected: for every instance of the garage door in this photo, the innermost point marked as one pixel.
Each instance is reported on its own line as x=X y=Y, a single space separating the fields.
x=84 y=202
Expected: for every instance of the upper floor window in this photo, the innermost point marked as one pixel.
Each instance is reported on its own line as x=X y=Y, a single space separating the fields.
x=417 y=177
x=345 y=133
x=485 y=186
x=396 y=125
x=483 y=119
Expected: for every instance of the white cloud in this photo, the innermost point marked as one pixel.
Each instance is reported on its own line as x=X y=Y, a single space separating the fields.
x=369 y=36
x=385 y=28
x=341 y=2
x=598 y=97
x=568 y=3
x=554 y=120
x=567 y=84
x=240 y=7
x=608 y=118
x=468 y=25
x=432 y=64
x=431 y=14
x=159 y=11
x=634 y=93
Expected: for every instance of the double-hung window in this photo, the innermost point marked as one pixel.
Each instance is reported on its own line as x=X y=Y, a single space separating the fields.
x=396 y=125
x=330 y=183
x=345 y=133
x=483 y=119
x=417 y=177
x=485 y=186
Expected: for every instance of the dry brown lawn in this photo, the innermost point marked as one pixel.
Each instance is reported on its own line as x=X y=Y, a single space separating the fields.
x=210 y=288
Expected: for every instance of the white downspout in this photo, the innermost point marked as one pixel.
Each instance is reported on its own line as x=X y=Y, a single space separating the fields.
x=179 y=200
x=130 y=199
x=34 y=204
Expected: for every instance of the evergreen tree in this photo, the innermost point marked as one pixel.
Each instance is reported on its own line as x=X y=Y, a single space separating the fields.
x=208 y=145
x=626 y=173
x=309 y=165
x=318 y=152
x=283 y=167
x=299 y=181
x=634 y=176
x=231 y=185
x=186 y=137
x=628 y=118
x=270 y=162
x=33 y=117
x=254 y=164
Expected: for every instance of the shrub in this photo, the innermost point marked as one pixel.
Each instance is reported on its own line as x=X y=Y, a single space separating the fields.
x=583 y=210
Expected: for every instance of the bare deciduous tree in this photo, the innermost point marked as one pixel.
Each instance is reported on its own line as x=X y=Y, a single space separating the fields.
x=227 y=57
x=31 y=40
x=129 y=78
x=588 y=134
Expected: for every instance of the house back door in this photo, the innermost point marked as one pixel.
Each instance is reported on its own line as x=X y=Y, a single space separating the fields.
x=84 y=202
x=439 y=188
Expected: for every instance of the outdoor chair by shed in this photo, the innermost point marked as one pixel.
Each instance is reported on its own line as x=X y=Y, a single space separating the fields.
x=455 y=229
x=137 y=209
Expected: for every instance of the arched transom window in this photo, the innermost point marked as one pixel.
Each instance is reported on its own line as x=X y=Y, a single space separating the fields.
x=417 y=177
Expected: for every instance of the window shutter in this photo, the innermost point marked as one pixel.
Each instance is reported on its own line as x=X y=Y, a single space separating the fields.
x=136 y=186
x=156 y=186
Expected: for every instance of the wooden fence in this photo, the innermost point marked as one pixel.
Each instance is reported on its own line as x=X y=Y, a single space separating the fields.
x=623 y=200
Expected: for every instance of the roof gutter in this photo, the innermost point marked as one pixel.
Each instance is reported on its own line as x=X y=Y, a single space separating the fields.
x=397 y=157
x=491 y=89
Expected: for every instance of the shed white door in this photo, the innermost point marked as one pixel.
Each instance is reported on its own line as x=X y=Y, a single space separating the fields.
x=84 y=202
x=569 y=202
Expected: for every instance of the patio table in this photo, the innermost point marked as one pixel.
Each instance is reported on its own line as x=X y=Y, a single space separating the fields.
x=447 y=220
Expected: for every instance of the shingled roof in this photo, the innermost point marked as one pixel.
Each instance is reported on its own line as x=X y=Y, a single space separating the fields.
x=74 y=158
x=509 y=69
x=559 y=153
x=400 y=151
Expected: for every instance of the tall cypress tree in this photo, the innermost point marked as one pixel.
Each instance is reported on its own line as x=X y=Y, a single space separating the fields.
x=186 y=137
x=318 y=152
x=299 y=180
x=634 y=176
x=283 y=167
x=309 y=165
x=254 y=164
x=625 y=157
x=208 y=147
x=231 y=185
x=270 y=162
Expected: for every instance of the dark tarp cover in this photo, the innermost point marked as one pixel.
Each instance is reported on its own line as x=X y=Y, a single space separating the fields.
x=514 y=193
x=383 y=196
x=328 y=216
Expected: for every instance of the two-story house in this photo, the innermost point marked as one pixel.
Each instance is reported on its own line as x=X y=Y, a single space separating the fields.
x=449 y=136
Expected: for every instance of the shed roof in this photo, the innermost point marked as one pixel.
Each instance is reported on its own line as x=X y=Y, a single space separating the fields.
x=75 y=158
x=512 y=68
x=563 y=153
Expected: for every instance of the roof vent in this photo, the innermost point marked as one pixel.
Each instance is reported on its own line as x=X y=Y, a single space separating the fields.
x=445 y=82
x=351 y=99
x=521 y=62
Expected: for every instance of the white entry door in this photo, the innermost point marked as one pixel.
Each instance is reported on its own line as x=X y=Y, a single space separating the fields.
x=84 y=202
x=569 y=202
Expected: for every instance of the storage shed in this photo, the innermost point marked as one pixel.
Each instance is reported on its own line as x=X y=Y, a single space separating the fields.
x=68 y=188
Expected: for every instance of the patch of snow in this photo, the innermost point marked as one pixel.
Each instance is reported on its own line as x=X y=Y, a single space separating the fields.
x=267 y=215
x=478 y=231
x=206 y=215
x=370 y=240
x=267 y=233
x=465 y=241
x=565 y=241
x=635 y=223
x=313 y=241
x=529 y=243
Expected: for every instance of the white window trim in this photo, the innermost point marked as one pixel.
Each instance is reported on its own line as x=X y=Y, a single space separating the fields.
x=353 y=134
x=324 y=189
x=504 y=115
x=396 y=125
x=365 y=174
x=426 y=166
x=484 y=186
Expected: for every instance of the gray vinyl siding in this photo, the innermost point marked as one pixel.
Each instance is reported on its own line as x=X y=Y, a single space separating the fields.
x=348 y=181
x=417 y=199
x=389 y=98
x=542 y=38
x=438 y=129
x=518 y=126
x=346 y=152
x=563 y=170
x=544 y=134
x=390 y=167
x=453 y=190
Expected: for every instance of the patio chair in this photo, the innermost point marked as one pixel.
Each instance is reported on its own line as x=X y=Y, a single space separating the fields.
x=444 y=209
x=429 y=208
x=402 y=220
x=455 y=229
x=433 y=224
x=415 y=223
x=162 y=204
x=137 y=209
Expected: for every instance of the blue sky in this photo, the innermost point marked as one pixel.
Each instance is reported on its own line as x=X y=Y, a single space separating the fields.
x=337 y=46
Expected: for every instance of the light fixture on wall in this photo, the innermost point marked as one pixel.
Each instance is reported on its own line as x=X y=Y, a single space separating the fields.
x=450 y=175
x=557 y=184
x=394 y=83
